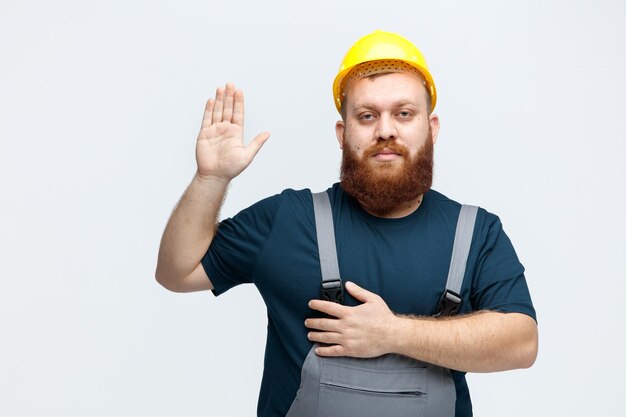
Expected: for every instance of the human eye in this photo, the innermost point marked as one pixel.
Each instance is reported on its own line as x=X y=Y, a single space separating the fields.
x=366 y=116
x=405 y=114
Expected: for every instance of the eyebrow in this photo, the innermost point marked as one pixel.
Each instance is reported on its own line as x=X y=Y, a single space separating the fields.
x=370 y=106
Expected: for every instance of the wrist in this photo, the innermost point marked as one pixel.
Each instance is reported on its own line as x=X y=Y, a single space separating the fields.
x=396 y=333
x=402 y=333
x=211 y=180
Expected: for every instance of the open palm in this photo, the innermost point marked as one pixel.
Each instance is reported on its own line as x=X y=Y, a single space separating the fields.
x=220 y=150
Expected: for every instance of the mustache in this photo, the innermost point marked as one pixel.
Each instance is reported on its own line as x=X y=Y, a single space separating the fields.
x=390 y=145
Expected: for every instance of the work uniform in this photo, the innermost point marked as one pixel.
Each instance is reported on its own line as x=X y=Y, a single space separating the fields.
x=273 y=244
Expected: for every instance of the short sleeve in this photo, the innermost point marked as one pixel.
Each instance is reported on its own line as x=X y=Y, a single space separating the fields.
x=233 y=253
x=500 y=284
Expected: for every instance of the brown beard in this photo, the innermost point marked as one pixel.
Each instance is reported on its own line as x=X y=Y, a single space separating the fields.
x=382 y=187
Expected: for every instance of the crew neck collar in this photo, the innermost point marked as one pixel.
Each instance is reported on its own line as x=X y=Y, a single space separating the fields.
x=409 y=217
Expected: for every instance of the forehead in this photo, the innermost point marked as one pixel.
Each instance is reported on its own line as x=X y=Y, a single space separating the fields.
x=387 y=89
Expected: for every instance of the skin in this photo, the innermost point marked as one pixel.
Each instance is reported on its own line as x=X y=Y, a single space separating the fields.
x=388 y=107
x=220 y=156
x=393 y=107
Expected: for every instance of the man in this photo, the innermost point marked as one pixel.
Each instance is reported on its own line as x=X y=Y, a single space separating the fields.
x=394 y=238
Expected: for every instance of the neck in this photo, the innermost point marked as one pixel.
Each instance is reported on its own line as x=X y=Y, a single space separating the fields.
x=402 y=210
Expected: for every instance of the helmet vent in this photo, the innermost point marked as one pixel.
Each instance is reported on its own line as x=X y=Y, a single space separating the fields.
x=382 y=66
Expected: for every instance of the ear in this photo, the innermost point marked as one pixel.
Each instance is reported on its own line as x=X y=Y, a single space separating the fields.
x=433 y=121
x=340 y=128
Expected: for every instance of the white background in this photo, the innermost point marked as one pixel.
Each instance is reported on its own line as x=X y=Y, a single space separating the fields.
x=100 y=104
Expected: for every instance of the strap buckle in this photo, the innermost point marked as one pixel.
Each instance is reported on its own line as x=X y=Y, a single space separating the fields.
x=449 y=304
x=333 y=291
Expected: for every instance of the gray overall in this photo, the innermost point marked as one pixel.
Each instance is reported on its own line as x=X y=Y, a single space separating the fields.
x=389 y=385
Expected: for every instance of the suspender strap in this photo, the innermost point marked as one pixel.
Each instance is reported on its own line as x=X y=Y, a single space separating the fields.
x=332 y=288
x=450 y=301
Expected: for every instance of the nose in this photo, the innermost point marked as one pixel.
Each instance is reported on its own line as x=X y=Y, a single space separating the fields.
x=385 y=128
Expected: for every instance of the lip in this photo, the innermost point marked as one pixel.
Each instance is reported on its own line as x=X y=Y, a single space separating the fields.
x=386 y=155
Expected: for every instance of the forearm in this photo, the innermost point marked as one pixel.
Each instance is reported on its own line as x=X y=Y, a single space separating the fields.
x=479 y=342
x=220 y=156
x=190 y=230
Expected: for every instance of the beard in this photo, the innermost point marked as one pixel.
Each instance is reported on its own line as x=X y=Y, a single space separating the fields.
x=383 y=186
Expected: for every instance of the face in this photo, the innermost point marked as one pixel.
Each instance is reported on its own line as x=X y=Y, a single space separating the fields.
x=387 y=141
x=386 y=108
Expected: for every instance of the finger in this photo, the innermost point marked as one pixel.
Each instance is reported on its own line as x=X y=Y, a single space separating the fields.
x=219 y=105
x=322 y=324
x=238 y=108
x=228 y=102
x=329 y=338
x=256 y=144
x=359 y=293
x=208 y=113
x=334 y=350
x=328 y=307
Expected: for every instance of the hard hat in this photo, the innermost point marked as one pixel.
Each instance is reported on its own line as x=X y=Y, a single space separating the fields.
x=378 y=46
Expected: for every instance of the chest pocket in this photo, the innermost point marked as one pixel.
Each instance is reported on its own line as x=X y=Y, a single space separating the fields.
x=388 y=385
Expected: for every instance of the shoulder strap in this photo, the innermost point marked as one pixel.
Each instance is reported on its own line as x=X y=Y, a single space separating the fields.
x=451 y=299
x=332 y=288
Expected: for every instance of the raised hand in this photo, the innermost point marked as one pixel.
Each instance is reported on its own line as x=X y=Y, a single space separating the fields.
x=220 y=151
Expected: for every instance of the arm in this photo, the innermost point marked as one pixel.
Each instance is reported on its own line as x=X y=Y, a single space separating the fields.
x=485 y=341
x=481 y=342
x=220 y=156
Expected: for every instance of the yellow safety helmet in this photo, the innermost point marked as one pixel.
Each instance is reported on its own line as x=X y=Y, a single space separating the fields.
x=383 y=46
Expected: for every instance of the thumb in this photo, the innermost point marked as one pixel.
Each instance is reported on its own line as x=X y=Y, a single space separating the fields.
x=256 y=143
x=359 y=293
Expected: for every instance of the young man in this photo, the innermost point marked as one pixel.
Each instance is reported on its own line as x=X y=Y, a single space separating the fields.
x=394 y=240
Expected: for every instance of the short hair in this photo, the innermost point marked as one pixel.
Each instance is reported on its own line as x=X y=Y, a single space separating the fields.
x=373 y=69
